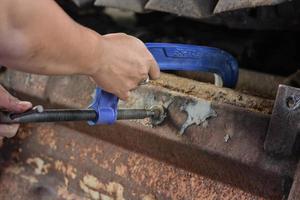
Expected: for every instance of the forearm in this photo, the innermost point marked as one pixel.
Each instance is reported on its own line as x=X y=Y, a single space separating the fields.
x=38 y=37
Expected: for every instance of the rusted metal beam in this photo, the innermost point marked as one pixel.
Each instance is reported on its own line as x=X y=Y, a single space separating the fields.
x=283 y=128
x=228 y=147
x=50 y=161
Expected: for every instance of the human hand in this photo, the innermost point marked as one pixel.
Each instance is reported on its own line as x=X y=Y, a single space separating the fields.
x=124 y=62
x=12 y=104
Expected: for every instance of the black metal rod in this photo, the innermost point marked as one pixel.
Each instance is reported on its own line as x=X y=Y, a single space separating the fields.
x=55 y=116
x=62 y=115
x=124 y=114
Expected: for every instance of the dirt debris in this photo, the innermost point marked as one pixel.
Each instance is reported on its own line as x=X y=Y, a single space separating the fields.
x=213 y=93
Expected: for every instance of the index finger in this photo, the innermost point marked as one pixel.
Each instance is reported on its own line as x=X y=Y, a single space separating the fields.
x=154 y=70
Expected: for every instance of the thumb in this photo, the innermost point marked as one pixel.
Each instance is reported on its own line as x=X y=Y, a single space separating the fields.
x=8 y=130
x=10 y=103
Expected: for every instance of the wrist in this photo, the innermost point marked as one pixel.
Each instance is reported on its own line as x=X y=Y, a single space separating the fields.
x=93 y=52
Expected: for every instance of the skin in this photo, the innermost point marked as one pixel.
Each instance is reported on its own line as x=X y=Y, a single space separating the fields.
x=8 y=102
x=38 y=37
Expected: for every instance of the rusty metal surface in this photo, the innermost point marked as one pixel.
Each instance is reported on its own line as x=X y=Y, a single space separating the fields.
x=283 y=128
x=228 y=148
x=50 y=161
x=250 y=81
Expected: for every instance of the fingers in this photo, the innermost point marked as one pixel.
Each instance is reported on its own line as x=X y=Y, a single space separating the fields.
x=11 y=103
x=125 y=93
x=8 y=130
x=124 y=96
x=123 y=63
x=154 y=71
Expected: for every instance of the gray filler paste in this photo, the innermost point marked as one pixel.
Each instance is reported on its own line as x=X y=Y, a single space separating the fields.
x=197 y=113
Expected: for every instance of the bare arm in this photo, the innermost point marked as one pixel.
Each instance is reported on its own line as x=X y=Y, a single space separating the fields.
x=38 y=37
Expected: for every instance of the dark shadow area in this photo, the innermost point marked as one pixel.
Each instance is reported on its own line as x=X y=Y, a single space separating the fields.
x=269 y=51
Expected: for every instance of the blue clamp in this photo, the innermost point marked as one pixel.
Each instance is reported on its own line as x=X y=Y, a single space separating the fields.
x=183 y=57
x=179 y=57
x=105 y=104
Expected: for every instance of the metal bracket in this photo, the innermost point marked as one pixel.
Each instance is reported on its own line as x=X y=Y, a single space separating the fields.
x=284 y=123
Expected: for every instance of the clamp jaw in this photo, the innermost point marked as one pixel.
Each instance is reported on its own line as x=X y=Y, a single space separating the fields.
x=105 y=104
x=178 y=57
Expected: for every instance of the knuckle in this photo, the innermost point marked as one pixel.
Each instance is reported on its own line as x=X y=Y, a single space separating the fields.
x=136 y=41
x=123 y=35
x=143 y=70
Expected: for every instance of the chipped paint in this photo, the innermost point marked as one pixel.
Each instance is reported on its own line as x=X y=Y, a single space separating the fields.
x=148 y=197
x=14 y=170
x=117 y=189
x=66 y=169
x=92 y=193
x=24 y=133
x=121 y=170
x=30 y=179
x=41 y=168
x=90 y=185
x=105 y=197
x=66 y=181
x=63 y=193
x=93 y=182
x=47 y=137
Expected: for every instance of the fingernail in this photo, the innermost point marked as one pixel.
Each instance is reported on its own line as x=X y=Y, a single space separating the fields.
x=25 y=104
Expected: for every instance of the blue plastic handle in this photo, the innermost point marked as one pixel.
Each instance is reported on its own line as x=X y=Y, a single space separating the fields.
x=173 y=57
